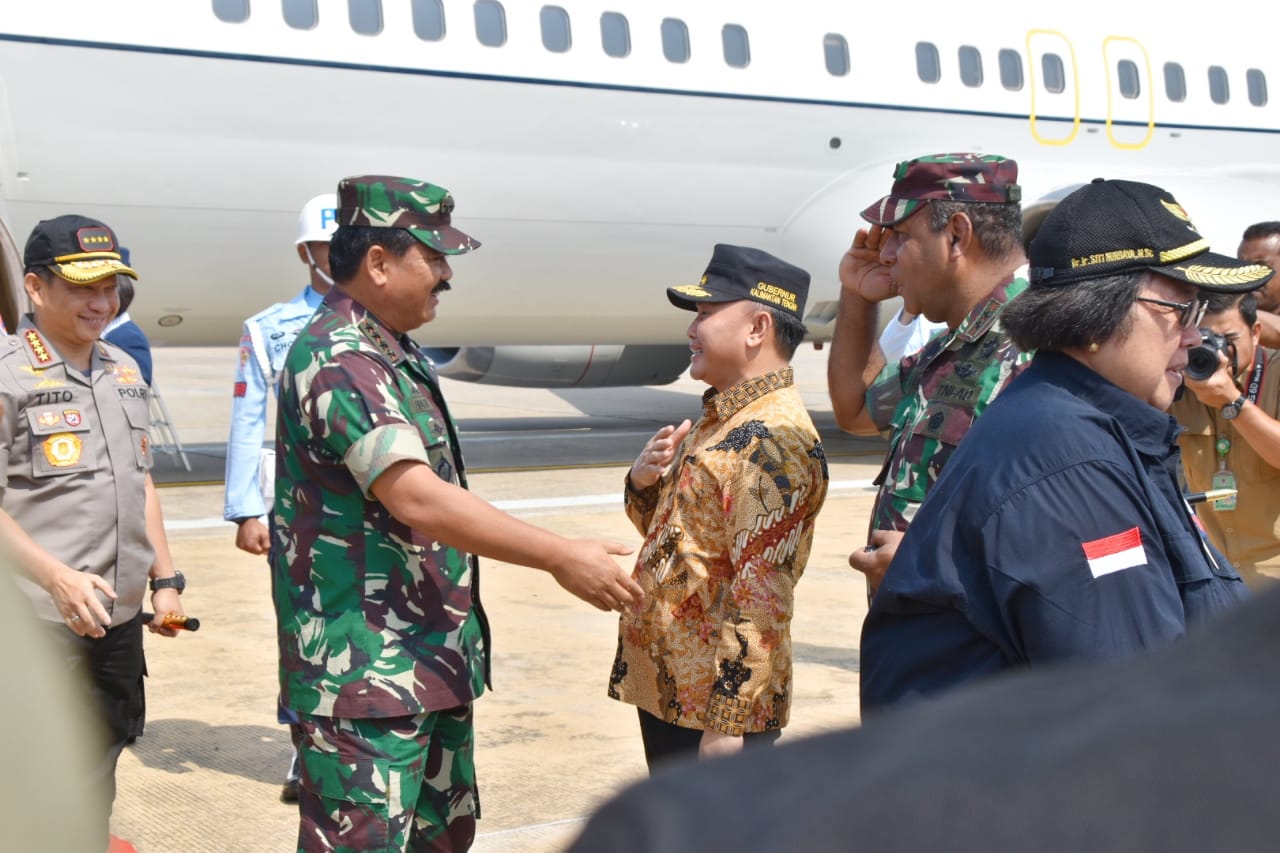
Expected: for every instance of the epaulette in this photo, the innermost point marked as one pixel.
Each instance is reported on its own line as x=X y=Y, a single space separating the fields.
x=37 y=347
x=371 y=331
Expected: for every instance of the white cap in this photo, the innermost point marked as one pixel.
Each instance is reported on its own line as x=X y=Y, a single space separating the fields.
x=318 y=219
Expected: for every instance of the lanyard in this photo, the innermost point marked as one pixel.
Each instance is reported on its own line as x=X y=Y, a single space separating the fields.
x=1223 y=444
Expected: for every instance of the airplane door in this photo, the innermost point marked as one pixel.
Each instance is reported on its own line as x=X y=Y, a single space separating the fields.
x=1131 y=103
x=1055 y=88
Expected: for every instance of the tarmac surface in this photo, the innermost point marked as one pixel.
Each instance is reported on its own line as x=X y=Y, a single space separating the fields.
x=551 y=745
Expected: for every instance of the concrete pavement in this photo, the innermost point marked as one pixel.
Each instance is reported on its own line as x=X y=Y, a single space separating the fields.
x=551 y=745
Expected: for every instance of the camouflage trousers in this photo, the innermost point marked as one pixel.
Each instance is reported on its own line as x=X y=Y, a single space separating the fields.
x=395 y=784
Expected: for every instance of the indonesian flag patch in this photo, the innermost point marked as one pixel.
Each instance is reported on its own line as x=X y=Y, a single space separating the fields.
x=1115 y=553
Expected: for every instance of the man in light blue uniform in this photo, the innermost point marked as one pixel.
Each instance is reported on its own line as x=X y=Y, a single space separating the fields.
x=264 y=344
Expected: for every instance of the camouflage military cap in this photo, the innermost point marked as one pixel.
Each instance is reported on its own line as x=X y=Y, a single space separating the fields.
x=79 y=249
x=954 y=177
x=422 y=209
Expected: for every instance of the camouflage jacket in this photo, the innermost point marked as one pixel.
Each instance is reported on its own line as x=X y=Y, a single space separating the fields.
x=926 y=403
x=375 y=619
x=727 y=535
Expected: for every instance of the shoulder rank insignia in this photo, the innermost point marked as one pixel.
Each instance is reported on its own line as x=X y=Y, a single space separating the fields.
x=371 y=331
x=36 y=345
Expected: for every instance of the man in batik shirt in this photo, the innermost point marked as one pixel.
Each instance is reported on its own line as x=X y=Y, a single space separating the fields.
x=383 y=643
x=727 y=509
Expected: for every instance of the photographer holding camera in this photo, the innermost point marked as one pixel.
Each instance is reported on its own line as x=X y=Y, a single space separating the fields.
x=1231 y=435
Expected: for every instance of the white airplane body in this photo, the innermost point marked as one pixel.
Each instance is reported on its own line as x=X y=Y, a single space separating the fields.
x=594 y=181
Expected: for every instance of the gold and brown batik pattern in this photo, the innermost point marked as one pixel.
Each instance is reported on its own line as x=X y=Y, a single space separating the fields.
x=727 y=535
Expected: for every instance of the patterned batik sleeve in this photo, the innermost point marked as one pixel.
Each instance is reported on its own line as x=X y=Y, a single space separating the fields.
x=766 y=497
x=360 y=413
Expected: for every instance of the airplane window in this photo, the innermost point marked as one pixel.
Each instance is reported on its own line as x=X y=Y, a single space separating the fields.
x=365 y=16
x=491 y=23
x=300 y=14
x=1055 y=76
x=555 y=29
x=737 y=50
x=615 y=34
x=675 y=40
x=231 y=11
x=836 y=51
x=428 y=19
x=928 y=64
x=970 y=66
x=1257 y=82
x=1011 y=69
x=1219 y=88
x=1127 y=76
x=1175 y=82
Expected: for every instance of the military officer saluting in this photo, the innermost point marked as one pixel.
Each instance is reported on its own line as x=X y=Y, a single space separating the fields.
x=78 y=510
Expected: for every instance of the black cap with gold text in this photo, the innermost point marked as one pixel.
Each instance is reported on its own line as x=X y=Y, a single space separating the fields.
x=77 y=248
x=738 y=272
x=1107 y=228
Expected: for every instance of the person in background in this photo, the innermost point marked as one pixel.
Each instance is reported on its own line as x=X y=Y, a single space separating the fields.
x=1230 y=437
x=1260 y=244
x=264 y=343
x=125 y=333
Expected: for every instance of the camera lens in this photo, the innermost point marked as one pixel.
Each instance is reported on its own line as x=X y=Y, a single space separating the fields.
x=1202 y=362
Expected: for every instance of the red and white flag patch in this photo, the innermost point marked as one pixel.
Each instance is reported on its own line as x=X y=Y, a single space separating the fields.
x=1115 y=553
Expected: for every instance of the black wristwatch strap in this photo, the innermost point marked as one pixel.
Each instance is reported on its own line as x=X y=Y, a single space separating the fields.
x=178 y=582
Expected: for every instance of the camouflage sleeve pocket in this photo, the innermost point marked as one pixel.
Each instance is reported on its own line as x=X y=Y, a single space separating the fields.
x=373 y=453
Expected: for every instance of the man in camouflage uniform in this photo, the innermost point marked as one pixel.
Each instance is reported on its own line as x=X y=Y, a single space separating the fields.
x=383 y=642
x=947 y=239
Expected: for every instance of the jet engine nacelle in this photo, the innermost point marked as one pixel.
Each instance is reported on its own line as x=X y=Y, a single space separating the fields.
x=562 y=366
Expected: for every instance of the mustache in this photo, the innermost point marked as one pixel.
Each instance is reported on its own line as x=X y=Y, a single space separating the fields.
x=442 y=287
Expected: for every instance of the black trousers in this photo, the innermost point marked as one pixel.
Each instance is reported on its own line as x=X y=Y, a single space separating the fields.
x=107 y=674
x=665 y=741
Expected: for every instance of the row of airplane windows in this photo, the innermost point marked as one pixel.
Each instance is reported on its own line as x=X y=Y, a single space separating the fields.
x=365 y=18
x=1054 y=75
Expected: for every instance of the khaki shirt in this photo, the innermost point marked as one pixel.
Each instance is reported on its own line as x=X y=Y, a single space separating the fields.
x=74 y=454
x=1250 y=534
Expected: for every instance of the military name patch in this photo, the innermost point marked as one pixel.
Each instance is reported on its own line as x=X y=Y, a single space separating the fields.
x=62 y=449
x=419 y=404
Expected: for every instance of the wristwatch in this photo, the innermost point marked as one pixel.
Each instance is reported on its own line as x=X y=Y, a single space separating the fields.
x=1230 y=410
x=178 y=582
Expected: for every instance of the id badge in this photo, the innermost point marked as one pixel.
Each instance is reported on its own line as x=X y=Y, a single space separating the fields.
x=1224 y=479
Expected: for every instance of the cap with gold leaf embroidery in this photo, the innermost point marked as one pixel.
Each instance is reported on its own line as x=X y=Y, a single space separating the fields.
x=1110 y=227
x=77 y=248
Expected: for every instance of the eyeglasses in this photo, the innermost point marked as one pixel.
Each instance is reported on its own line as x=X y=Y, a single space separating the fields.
x=1189 y=313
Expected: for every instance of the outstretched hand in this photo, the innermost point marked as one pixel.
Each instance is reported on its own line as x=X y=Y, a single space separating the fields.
x=589 y=571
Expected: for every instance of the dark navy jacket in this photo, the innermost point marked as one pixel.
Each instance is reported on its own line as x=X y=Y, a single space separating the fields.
x=1057 y=531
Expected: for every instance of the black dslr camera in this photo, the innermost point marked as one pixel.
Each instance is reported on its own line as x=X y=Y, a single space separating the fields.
x=1202 y=359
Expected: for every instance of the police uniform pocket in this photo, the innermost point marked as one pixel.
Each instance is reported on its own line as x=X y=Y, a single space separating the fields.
x=139 y=431
x=60 y=441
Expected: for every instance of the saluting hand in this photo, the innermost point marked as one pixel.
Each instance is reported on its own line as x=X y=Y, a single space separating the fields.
x=862 y=271
x=658 y=454
x=589 y=571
